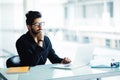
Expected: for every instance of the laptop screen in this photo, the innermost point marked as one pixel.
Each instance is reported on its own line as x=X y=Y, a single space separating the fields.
x=84 y=54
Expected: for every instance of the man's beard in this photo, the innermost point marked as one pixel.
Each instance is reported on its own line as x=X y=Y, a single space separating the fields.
x=35 y=32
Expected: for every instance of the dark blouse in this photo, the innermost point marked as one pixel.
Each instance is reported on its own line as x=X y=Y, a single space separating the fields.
x=31 y=54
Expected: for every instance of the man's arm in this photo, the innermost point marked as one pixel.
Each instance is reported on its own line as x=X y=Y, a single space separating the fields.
x=53 y=57
x=40 y=38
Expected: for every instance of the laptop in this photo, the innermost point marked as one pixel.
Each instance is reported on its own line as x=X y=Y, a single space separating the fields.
x=83 y=56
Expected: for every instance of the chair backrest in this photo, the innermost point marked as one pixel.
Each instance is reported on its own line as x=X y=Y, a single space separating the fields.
x=13 y=61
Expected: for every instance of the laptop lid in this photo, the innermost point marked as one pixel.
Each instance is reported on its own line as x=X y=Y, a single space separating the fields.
x=83 y=56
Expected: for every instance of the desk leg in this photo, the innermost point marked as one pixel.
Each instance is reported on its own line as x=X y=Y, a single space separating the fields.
x=98 y=78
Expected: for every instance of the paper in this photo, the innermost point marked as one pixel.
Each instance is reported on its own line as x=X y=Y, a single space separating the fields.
x=18 y=69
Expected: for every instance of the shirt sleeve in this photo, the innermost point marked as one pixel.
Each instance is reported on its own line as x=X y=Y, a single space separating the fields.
x=52 y=56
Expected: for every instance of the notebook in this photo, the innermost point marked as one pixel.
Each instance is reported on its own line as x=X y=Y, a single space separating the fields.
x=84 y=54
x=22 y=69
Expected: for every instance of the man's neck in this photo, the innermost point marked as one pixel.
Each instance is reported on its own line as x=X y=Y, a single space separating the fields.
x=34 y=36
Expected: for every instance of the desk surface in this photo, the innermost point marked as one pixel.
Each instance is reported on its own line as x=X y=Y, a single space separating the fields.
x=46 y=72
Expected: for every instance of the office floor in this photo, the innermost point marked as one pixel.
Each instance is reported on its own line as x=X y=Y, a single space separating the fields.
x=3 y=57
x=2 y=62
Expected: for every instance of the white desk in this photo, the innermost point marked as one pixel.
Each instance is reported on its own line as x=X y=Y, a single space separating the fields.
x=45 y=72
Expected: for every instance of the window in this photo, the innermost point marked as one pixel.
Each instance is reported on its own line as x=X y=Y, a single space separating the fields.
x=107 y=42
x=66 y=13
x=85 y=39
x=110 y=8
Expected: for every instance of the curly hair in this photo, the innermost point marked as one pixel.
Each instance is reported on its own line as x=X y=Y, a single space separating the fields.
x=31 y=15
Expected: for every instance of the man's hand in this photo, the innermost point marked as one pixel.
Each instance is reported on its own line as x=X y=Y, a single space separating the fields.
x=66 y=60
x=40 y=36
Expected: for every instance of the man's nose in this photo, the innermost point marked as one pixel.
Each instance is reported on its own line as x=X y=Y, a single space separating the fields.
x=40 y=27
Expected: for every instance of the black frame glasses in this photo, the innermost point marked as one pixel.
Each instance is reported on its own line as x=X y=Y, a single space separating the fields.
x=39 y=24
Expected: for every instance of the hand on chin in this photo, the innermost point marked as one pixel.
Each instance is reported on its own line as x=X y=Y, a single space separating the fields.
x=40 y=35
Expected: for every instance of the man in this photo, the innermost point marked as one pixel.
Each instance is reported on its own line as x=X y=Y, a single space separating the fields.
x=33 y=47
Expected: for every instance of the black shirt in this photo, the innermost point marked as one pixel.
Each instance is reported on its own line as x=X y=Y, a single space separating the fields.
x=31 y=54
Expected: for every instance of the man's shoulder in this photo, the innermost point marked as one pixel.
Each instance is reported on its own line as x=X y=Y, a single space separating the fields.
x=46 y=37
x=22 y=37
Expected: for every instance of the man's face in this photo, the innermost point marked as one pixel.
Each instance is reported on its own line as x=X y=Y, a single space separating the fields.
x=36 y=27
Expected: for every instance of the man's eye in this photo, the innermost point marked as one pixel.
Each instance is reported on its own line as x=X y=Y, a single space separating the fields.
x=37 y=24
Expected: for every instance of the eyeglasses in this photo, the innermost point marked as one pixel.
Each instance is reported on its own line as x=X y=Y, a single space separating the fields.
x=39 y=24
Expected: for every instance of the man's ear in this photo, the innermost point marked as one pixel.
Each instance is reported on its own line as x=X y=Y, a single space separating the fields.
x=29 y=27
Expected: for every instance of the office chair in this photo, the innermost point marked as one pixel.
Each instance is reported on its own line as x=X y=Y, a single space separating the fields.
x=13 y=61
